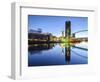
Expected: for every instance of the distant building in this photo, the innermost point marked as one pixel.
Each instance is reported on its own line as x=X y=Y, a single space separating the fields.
x=37 y=35
x=62 y=33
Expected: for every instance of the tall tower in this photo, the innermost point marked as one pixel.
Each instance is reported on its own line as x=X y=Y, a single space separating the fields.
x=68 y=30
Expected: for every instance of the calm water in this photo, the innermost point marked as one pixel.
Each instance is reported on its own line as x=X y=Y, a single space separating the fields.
x=57 y=54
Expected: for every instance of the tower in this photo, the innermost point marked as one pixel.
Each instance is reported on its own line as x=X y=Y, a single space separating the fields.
x=68 y=30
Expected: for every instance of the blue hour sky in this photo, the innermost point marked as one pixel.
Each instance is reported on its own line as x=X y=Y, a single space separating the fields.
x=56 y=24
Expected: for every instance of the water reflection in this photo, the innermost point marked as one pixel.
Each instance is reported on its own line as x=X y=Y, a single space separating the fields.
x=67 y=54
x=37 y=48
x=55 y=54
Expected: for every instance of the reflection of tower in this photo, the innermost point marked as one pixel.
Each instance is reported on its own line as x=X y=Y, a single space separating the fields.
x=68 y=29
x=67 y=54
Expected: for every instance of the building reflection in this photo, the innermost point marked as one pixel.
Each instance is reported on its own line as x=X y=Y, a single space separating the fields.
x=67 y=54
x=38 y=48
x=66 y=50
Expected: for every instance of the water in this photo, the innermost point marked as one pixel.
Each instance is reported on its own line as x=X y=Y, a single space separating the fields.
x=56 y=54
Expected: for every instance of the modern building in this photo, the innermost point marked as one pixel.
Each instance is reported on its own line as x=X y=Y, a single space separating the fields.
x=36 y=36
x=68 y=29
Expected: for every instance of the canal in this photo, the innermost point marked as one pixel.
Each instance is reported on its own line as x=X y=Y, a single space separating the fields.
x=57 y=54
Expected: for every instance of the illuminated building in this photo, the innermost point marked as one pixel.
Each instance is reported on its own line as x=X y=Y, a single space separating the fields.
x=68 y=30
x=36 y=36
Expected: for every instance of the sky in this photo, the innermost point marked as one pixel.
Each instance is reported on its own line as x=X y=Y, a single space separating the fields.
x=56 y=24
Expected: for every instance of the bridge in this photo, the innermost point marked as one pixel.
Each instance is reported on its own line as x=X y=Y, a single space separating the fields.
x=73 y=34
x=73 y=37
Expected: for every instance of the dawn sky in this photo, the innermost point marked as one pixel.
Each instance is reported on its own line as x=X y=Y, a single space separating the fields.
x=56 y=24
